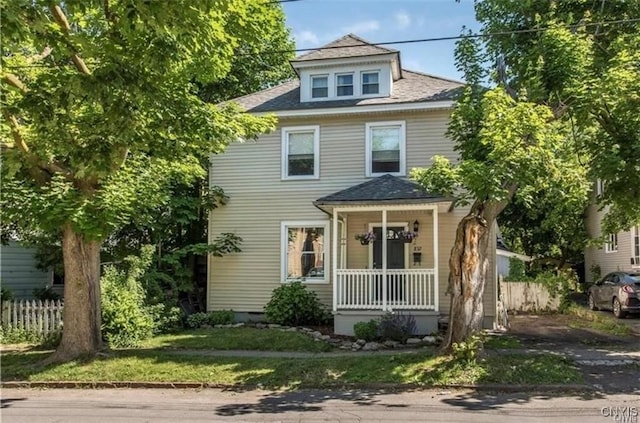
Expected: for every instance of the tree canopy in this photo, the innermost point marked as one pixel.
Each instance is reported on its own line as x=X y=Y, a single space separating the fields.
x=102 y=114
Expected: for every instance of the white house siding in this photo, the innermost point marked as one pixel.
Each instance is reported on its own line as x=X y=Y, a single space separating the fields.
x=18 y=270
x=250 y=174
x=596 y=255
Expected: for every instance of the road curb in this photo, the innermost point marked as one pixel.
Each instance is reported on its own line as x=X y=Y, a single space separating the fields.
x=567 y=388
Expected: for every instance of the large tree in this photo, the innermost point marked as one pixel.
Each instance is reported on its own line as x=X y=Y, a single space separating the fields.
x=565 y=103
x=100 y=112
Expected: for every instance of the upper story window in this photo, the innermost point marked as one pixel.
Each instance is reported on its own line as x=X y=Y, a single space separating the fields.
x=612 y=244
x=300 y=152
x=344 y=85
x=370 y=83
x=635 y=242
x=385 y=148
x=319 y=86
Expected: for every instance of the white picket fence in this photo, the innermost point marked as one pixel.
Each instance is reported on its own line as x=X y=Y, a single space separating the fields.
x=43 y=317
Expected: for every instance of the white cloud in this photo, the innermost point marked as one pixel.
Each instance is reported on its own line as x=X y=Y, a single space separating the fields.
x=362 y=27
x=402 y=18
x=306 y=38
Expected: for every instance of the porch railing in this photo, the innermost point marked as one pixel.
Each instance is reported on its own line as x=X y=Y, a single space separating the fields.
x=359 y=289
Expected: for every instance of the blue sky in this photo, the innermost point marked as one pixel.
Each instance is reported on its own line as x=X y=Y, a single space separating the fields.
x=314 y=23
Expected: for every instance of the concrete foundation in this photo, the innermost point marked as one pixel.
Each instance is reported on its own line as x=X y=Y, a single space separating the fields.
x=343 y=321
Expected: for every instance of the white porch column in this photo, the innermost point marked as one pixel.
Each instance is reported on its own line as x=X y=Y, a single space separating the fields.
x=384 y=260
x=334 y=258
x=436 y=264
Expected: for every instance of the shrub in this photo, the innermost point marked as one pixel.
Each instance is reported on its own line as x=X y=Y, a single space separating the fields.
x=6 y=294
x=19 y=336
x=45 y=293
x=366 y=330
x=196 y=320
x=516 y=270
x=165 y=319
x=468 y=350
x=292 y=304
x=126 y=320
x=221 y=317
x=397 y=326
x=559 y=285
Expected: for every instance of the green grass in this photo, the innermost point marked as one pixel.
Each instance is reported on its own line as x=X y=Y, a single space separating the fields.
x=581 y=317
x=423 y=369
x=238 y=339
x=501 y=342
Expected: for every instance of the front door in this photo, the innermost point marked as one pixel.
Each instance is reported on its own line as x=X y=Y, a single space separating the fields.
x=395 y=260
x=395 y=248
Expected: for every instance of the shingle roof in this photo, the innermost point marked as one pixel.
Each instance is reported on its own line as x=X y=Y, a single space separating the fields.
x=348 y=46
x=413 y=87
x=383 y=189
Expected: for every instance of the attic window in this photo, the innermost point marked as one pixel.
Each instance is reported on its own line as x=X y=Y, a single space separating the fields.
x=344 y=85
x=319 y=86
x=370 y=83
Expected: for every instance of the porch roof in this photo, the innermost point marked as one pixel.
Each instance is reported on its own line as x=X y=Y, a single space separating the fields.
x=385 y=189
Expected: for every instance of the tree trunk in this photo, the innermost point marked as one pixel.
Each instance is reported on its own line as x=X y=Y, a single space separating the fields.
x=81 y=333
x=468 y=271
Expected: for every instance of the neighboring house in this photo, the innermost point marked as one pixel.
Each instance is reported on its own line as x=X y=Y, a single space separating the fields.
x=18 y=271
x=620 y=251
x=504 y=256
x=350 y=130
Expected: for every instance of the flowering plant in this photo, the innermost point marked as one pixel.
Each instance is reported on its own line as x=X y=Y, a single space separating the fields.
x=408 y=235
x=368 y=237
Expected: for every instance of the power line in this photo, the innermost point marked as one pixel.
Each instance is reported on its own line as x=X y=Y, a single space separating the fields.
x=453 y=37
x=413 y=41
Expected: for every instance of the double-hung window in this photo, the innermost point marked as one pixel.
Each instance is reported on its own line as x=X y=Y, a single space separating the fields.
x=344 y=84
x=612 y=244
x=385 y=148
x=300 y=152
x=319 y=86
x=635 y=244
x=304 y=247
x=370 y=83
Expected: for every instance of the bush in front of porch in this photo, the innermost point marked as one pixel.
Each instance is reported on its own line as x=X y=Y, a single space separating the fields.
x=293 y=305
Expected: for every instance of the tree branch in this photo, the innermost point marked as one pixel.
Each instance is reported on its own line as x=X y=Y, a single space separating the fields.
x=15 y=132
x=61 y=20
x=15 y=82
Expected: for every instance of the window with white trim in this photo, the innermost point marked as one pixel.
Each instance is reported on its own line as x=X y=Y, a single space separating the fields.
x=344 y=84
x=305 y=247
x=612 y=244
x=320 y=86
x=385 y=148
x=301 y=152
x=370 y=83
x=599 y=187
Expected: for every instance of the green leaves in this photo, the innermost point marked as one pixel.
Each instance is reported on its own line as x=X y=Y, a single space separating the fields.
x=105 y=146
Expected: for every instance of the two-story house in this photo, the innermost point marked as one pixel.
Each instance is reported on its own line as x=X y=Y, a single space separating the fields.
x=620 y=252
x=351 y=127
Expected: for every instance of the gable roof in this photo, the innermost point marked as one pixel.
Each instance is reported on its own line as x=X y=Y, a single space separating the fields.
x=413 y=87
x=348 y=46
x=380 y=190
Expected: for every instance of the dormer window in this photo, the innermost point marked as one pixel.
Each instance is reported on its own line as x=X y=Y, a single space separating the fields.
x=319 y=86
x=344 y=85
x=370 y=83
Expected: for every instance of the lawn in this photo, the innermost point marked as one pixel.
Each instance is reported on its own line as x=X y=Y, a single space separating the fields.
x=417 y=368
x=580 y=317
x=238 y=339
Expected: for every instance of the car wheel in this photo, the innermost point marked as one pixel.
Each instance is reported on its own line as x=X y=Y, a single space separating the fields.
x=592 y=303
x=617 y=309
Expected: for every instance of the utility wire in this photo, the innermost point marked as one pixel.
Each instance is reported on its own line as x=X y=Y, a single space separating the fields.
x=454 y=37
x=412 y=41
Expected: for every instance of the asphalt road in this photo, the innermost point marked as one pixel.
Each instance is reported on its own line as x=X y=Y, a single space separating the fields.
x=159 y=405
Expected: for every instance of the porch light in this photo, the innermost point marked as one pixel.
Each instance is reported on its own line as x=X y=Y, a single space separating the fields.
x=416 y=226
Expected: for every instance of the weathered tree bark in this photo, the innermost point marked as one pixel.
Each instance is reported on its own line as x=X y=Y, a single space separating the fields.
x=468 y=272
x=81 y=333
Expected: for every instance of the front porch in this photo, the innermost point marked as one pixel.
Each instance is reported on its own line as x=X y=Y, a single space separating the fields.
x=392 y=271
